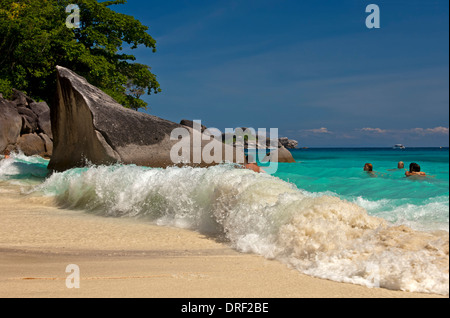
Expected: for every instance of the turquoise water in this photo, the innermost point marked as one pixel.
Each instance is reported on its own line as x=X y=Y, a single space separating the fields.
x=323 y=215
x=422 y=202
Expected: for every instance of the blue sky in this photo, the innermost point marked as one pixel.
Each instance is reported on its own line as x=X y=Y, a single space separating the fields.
x=310 y=68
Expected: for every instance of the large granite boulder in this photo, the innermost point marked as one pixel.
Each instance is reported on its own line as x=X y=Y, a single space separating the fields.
x=10 y=125
x=29 y=120
x=31 y=144
x=24 y=126
x=89 y=127
x=21 y=99
x=42 y=112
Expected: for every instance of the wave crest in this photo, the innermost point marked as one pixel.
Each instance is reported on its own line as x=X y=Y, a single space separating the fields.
x=322 y=236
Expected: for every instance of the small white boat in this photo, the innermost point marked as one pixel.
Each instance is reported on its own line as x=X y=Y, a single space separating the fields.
x=399 y=146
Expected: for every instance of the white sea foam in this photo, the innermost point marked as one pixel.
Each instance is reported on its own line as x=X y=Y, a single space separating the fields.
x=20 y=167
x=431 y=215
x=322 y=236
x=7 y=168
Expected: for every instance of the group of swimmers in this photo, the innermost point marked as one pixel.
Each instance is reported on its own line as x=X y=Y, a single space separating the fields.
x=414 y=169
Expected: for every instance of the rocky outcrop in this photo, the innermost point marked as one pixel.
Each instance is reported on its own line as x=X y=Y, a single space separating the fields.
x=278 y=153
x=10 y=125
x=43 y=121
x=190 y=123
x=252 y=141
x=288 y=143
x=31 y=144
x=86 y=126
x=25 y=126
x=89 y=127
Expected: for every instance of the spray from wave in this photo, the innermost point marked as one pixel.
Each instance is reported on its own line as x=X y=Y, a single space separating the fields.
x=322 y=236
x=20 y=170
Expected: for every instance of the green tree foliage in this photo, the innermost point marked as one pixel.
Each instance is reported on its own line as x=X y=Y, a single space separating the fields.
x=34 y=39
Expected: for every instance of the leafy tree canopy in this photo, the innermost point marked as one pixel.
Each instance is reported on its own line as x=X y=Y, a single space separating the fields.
x=34 y=39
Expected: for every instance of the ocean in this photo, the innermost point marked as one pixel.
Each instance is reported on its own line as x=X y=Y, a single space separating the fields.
x=421 y=203
x=323 y=215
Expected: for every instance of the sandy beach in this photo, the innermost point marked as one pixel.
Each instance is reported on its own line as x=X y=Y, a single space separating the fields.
x=131 y=258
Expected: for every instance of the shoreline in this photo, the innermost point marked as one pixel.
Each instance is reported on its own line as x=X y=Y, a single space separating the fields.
x=129 y=258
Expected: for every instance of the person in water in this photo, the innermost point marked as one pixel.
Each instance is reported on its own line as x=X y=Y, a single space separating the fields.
x=368 y=167
x=414 y=170
x=251 y=165
x=400 y=166
x=6 y=154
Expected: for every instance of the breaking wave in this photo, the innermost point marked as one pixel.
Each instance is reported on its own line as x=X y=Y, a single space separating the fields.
x=319 y=235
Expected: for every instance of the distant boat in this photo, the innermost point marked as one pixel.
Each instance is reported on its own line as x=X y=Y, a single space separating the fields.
x=399 y=146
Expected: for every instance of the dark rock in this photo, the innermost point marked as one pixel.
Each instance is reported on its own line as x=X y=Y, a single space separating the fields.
x=190 y=123
x=45 y=124
x=20 y=99
x=39 y=108
x=288 y=143
x=21 y=121
x=42 y=111
x=88 y=125
x=27 y=126
x=29 y=120
x=10 y=124
x=31 y=144
x=27 y=112
x=48 y=144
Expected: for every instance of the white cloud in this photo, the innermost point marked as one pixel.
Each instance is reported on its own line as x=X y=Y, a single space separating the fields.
x=374 y=130
x=429 y=131
x=419 y=131
x=321 y=130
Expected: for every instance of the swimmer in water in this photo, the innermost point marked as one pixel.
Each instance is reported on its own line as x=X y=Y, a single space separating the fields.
x=414 y=170
x=7 y=154
x=400 y=166
x=368 y=167
x=251 y=164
